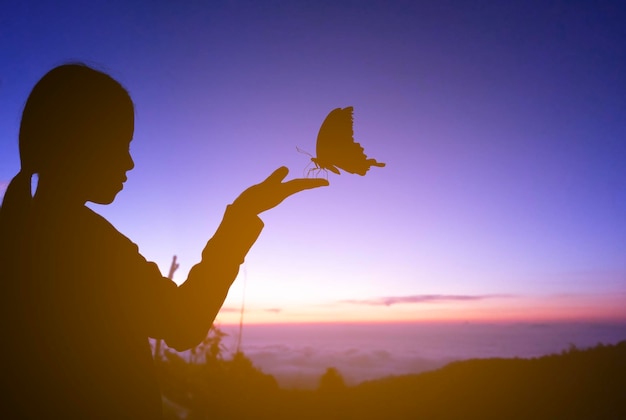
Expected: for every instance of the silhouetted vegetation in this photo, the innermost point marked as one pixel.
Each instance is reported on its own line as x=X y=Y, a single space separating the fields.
x=576 y=384
x=211 y=386
x=331 y=381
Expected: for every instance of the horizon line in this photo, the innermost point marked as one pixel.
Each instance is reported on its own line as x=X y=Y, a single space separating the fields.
x=537 y=322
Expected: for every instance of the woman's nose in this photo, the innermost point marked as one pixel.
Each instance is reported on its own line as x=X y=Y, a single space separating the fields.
x=130 y=163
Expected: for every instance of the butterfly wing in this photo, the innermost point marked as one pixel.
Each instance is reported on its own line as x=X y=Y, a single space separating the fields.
x=336 y=147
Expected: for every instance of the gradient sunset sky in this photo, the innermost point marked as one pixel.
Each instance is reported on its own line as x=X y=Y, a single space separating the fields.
x=503 y=126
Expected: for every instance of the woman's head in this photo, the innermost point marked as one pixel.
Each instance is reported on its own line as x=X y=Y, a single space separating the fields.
x=74 y=121
x=76 y=128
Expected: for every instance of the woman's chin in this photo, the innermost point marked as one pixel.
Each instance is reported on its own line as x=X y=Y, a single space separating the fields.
x=106 y=197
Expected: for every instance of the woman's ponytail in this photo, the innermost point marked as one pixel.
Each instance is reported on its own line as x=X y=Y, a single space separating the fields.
x=16 y=204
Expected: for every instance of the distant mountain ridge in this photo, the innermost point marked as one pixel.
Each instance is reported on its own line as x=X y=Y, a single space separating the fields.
x=576 y=384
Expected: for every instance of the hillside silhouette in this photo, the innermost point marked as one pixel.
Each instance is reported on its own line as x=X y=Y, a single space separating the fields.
x=576 y=384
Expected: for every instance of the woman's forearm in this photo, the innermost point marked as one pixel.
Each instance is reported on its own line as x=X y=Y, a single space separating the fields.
x=201 y=296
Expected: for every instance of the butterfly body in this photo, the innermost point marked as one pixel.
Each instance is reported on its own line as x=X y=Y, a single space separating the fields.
x=336 y=148
x=319 y=164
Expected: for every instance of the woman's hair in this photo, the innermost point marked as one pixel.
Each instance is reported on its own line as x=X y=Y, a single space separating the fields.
x=65 y=109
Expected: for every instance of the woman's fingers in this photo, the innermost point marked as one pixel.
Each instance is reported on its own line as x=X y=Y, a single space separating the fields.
x=278 y=175
x=273 y=191
x=300 y=184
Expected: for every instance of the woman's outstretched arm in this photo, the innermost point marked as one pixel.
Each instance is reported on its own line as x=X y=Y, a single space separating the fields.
x=194 y=305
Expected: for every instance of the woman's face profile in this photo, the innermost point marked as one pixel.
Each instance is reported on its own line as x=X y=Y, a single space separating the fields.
x=101 y=173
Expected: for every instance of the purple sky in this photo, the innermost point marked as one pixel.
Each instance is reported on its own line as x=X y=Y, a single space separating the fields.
x=502 y=127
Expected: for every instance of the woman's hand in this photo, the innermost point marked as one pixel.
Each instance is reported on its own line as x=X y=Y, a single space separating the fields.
x=271 y=192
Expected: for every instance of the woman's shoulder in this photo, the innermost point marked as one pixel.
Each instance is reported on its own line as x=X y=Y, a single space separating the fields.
x=103 y=231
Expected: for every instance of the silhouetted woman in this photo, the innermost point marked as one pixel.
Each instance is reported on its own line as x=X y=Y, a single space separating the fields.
x=79 y=302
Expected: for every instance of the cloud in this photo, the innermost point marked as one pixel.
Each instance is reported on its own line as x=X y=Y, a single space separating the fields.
x=413 y=299
x=229 y=309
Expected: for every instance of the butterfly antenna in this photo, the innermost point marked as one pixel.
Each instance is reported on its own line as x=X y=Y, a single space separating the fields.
x=303 y=151
x=306 y=171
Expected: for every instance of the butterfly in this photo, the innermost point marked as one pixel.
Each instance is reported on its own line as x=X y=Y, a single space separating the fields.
x=336 y=148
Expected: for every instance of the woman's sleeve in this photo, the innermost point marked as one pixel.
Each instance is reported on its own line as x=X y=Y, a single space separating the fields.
x=182 y=315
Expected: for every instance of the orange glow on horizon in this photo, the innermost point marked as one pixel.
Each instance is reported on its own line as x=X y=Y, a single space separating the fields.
x=566 y=308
